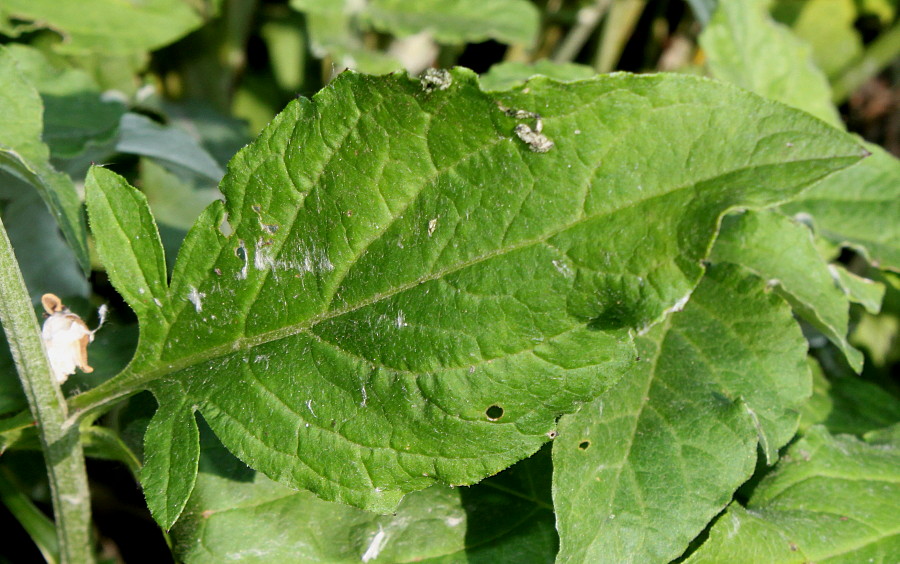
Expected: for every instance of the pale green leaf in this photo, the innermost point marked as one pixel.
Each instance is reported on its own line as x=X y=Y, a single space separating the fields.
x=859 y=207
x=453 y=21
x=408 y=293
x=781 y=251
x=832 y=499
x=24 y=154
x=76 y=114
x=828 y=26
x=457 y=21
x=236 y=513
x=107 y=26
x=746 y=47
x=642 y=470
x=508 y=74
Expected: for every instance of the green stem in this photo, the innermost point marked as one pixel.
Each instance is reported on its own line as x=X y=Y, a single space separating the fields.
x=879 y=54
x=588 y=18
x=62 y=449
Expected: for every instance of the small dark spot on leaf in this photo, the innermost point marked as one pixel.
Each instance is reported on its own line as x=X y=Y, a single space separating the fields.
x=494 y=412
x=793 y=547
x=552 y=434
x=271 y=228
x=349 y=213
x=256 y=208
x=584 y=445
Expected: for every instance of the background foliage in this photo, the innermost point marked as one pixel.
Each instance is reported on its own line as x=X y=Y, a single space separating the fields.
x=672 y=336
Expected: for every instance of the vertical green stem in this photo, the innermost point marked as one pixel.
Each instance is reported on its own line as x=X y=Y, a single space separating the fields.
x=62 y=448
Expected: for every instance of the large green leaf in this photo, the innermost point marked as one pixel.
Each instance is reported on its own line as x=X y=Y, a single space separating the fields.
x=409 y=293
x=747 y=47
x=106 y=26
x=24 y=154
x=859 y=207
x=782 y=251
x=642 y=470
x=234 y=511
x=832 y=499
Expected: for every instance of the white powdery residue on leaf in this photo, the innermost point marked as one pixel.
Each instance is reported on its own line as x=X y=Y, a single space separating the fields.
x=562 y=267
x=157 y=302
x=435 y=79
x=432 y=225
x=376 y=546
x=401 y=321
x=196 y=298
x=454 y=521
x=262 y=260
x=310 y=407
x=314 y=260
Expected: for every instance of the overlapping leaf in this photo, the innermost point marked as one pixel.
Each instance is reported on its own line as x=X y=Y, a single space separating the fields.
x=832 y=499
x=859 y=207
x=235 y=511
x=782 y=252
x=642 y=470
x=409 y=293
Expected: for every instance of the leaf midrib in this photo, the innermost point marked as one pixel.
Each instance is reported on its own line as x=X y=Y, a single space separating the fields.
x=141 y=378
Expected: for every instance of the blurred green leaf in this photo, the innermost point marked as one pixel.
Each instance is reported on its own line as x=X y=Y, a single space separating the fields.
x=859 y=290
x=746 y=47
x=642 y=470
x=235 y=511
x=859 y=207
x=830 y=499
x=23 y=154
x=139 y=135
x=781 y=251
x=386 y=318
x=825 y=25
x=107 y=26
x=508 y=74
x=76 y=114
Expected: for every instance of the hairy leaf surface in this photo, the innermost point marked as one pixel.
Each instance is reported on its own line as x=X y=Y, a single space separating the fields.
x=642 y=470
x=409 y=293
